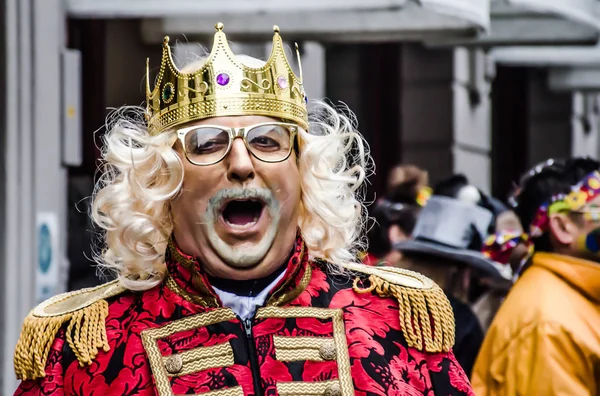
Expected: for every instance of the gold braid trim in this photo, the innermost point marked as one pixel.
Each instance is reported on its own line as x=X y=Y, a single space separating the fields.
x=426 y=316
x=83 y=311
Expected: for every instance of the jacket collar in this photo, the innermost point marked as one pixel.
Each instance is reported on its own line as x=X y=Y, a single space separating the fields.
x=582 y=275
x=187 y=278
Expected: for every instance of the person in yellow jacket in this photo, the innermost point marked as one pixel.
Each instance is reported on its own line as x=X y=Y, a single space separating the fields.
x=545 y=339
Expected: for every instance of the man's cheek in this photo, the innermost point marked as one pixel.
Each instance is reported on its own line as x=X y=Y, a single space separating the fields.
x=288 y=199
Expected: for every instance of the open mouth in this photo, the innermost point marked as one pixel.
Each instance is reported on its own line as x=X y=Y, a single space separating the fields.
x=242 y=212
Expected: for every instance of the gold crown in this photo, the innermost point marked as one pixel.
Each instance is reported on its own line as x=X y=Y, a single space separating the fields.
x=224 y=86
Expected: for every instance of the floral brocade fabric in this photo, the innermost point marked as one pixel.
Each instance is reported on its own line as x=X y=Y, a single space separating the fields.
x=314 y=336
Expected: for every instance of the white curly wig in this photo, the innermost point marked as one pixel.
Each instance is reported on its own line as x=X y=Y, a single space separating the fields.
x=143 y=173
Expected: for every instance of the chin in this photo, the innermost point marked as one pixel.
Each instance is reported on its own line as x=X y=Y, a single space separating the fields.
x=243 y=253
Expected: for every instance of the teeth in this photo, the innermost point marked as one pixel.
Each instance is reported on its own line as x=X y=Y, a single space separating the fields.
x=255 y=219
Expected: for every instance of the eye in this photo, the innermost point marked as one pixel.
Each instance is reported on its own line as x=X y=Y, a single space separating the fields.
x=206 y=141
x=269 y=138
x=264 y=142
x=208 y=147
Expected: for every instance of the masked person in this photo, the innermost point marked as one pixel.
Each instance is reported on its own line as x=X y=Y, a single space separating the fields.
x=510 y=247
x=545 y=339
x=234 y=231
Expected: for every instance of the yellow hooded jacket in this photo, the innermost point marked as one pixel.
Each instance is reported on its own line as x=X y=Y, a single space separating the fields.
x=545 y=339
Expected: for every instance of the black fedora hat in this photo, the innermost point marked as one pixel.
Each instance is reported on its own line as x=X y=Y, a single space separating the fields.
x=453 y=229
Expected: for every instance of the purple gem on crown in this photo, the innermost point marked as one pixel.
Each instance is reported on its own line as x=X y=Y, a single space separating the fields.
x=282 y=82
x=223 y=79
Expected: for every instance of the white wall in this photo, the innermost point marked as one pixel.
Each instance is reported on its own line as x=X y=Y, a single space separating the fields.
x=18 y=227
x=472 y=117
x=35 y=178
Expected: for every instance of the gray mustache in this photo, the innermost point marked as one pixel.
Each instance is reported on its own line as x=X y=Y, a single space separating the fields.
x=263 y=194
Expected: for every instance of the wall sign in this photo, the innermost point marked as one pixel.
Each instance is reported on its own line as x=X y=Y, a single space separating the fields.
x=47 y=270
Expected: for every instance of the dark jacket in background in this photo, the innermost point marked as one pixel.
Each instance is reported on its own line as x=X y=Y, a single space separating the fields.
x=469 y=335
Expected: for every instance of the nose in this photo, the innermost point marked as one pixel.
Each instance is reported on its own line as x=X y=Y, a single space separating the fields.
x=240 y=165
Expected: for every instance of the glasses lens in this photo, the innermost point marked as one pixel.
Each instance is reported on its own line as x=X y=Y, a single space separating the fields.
x=270 y=142
x=206 y=145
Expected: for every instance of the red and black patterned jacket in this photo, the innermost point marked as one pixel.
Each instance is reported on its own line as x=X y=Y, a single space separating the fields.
x=318 y=334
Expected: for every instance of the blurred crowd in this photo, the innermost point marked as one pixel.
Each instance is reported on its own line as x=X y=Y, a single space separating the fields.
x=521 y=272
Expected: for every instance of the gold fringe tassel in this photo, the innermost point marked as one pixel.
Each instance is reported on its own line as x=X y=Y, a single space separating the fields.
x=85 y=334
x=426 y=316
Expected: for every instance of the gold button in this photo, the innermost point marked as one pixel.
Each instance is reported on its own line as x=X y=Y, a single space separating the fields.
x=333 y=390
x=327 y=351
x=174 y=364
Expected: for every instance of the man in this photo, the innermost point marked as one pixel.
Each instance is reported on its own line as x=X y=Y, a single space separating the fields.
x=545 y=339
x=485 y=294
x=234 y=232
x=445 y=247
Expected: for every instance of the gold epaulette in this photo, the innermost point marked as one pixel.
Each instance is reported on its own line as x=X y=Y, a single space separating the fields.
x=84 y=311
x=426 y=317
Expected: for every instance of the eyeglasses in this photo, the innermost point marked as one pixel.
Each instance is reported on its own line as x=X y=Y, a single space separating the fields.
x=209 y=144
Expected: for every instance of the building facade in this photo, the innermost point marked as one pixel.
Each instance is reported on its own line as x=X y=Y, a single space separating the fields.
x=451 y=85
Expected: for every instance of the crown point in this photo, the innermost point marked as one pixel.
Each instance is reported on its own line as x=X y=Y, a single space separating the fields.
x=275 y=28
x=166 y=40
x=219 y=26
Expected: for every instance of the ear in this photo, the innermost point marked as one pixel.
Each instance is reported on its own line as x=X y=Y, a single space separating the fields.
x=562 y=228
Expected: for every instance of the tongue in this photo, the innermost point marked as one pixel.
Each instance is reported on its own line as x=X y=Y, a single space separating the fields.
x=240 y=218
